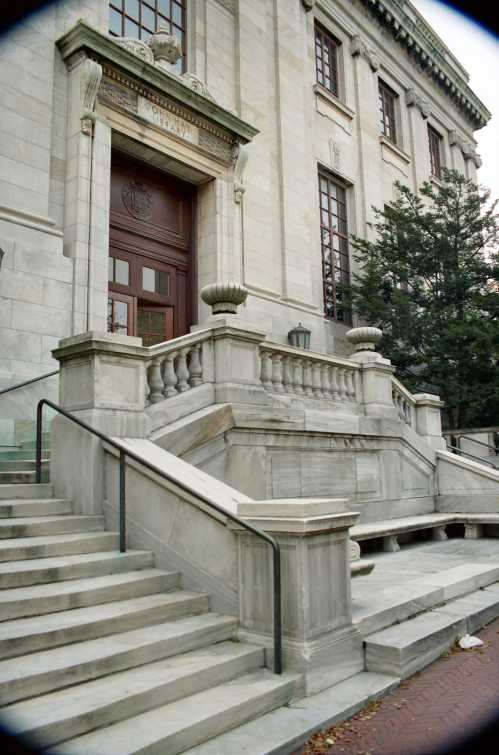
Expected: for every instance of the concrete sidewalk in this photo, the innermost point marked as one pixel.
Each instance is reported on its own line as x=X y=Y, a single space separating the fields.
x=454 y=699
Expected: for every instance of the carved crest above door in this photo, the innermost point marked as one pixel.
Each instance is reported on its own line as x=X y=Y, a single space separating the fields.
x=137 y=199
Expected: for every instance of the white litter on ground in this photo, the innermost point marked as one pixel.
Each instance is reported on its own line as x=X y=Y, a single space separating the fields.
x=467 y=641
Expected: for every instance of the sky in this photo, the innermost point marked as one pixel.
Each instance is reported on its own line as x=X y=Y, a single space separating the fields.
x=478 y=51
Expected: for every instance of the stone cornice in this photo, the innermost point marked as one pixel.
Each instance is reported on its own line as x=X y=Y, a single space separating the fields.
x=83 y=38
x=411 y=31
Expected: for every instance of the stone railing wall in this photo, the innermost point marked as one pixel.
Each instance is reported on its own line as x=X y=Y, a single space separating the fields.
x=404 y=402
x=295 y=372
x=177 y=366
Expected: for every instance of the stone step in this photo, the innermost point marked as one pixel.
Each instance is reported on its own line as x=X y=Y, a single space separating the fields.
x=43 y=490
x=48 y=670
x=177 y=726
x=18 y=549
x=31 y=443
x=406 y=648
x=28 y=464
x=374 y=610
x=286 y=729
x=49 y=525
x=60 y=568
x=37 y=507
x=60 y=596
x=28 y=635
x=58 y=716
x=19 y=453
x=20 y=477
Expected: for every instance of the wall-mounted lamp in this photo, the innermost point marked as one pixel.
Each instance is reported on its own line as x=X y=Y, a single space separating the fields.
x=299 y=337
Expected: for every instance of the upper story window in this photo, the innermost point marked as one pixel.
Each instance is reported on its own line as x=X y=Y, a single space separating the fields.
x=435 y=148
x=387 y=104
x=141 y=18
x=326 y=60
x=334 y=246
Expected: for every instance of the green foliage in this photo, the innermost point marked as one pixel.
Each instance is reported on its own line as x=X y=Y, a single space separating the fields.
x=430 y=280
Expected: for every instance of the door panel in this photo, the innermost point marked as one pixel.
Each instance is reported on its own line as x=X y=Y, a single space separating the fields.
x=120 y=314
x=150 y=250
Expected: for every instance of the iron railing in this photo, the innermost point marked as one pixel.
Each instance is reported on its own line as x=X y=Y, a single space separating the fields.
x=480 y=443
x=28 y=382
x=123 y=453
x=479 y=459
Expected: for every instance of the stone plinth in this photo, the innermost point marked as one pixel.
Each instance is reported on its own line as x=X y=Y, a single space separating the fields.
x=429 y=419
x=319 y=638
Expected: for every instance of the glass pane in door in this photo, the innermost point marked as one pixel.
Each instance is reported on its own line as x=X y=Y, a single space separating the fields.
x=117 y=316
x=154 y=324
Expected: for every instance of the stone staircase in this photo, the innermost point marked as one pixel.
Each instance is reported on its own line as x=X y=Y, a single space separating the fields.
x=103 y=653
x=17 y=463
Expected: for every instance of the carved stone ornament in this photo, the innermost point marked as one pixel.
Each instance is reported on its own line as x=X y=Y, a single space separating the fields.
x=137 y=199
x=224 y=297
x=90 y=79
x=138 y=48
x=412 y=98
x=166 y=49
x=239 y=168
x=359 y=47
x=195 y=83
x=364 y=339
x=467 y=148
x=308 y=4
x=353 y=550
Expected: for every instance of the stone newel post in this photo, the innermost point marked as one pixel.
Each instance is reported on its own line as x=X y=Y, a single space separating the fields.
x=429 y=419
x=319 y=638
x=376 y=372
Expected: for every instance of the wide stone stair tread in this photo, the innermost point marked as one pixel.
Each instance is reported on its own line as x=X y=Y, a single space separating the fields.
x=40 y=490
x=61 y=715
x=376 y=609
x=40 y=672
x=405 y=648
x=56 y=569
x=41 y=546
x=45 y=525
x=76 y=593
x=35 y=507
x=27 y=635
x=26 y=464
x=376 y=529
x=179 y=725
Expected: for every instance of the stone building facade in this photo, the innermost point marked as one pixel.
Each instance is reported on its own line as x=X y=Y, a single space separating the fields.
x=132 y=177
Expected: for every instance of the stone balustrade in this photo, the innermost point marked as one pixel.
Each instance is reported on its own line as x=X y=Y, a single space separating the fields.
x=299 y=373
x=176 y=366
x=404 y=402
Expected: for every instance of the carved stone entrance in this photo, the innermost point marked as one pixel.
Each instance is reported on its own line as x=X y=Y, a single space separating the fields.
x=150 y=252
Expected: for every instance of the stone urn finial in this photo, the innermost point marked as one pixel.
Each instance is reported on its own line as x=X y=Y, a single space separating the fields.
x=224 y=297
x=364 y=339
x=166 y=49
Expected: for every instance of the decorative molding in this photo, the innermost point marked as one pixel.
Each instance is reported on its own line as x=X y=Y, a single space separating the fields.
x=166 y=49
x=119 y=90
x=359 y=47
x=138 y=48
x=411 y=31
x=239 y=168
x=90 y=80
x=229 y=5
x=308 y=4
x=465 y=146
x=195 y=83
x=335 y=153
x=412 y=98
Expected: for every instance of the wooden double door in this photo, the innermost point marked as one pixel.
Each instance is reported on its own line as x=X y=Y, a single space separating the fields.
x=150 y=280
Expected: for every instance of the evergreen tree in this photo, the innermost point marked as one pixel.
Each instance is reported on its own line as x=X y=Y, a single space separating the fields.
x=430 y=280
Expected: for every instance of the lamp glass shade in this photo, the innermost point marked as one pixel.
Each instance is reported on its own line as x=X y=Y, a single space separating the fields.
x=299 y=337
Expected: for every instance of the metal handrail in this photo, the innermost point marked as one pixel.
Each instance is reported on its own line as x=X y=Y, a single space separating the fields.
x=460 y=452
x=28 y=382
x=123 y=452
x=480 y=442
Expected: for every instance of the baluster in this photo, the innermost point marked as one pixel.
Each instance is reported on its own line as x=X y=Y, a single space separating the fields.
x=341 y=383
x=266 y=374
x=307 y=377
x=298 y=376
x=287 y=374
x=326 y=388
x=147 y=366
x=195 y=367
x=316 y=380
x=350 y=383
x=334 y=382
x=277 y=373
x=156 y=381
x=170 y=375
x=182 y=371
